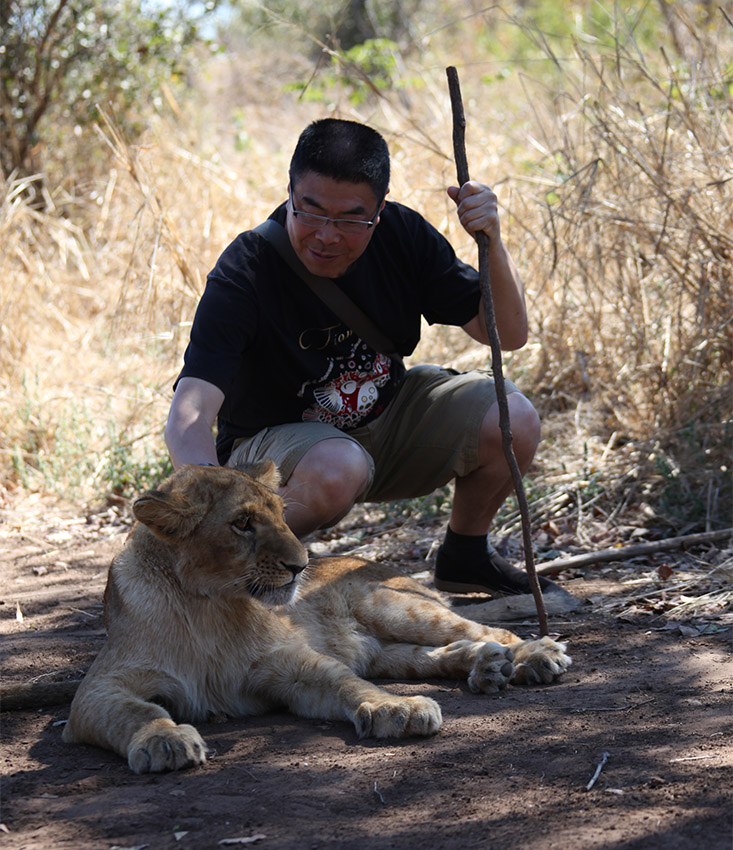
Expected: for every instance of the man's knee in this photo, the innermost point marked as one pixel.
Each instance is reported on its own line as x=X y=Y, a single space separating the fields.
x=525 y=427
x=337 y=470
x=524 y=420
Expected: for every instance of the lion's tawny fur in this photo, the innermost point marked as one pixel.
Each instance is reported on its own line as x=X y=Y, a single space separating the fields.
x=210 y=610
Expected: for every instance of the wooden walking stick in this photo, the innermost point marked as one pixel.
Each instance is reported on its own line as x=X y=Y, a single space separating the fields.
x=459 y=151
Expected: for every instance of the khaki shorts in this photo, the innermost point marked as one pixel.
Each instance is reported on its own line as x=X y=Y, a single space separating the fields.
x=427 y=436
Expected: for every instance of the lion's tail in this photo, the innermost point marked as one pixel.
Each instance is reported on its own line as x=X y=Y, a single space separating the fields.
x=34 y=695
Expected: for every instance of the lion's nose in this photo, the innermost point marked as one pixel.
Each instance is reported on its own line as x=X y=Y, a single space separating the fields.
x=293 y=568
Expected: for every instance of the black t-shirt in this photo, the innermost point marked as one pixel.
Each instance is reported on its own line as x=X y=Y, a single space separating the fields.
x=279 y=354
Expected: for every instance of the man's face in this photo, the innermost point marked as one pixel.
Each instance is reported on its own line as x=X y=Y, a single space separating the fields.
x=326 y=250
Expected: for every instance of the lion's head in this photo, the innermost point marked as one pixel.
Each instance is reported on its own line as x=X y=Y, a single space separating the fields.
x=225 y=531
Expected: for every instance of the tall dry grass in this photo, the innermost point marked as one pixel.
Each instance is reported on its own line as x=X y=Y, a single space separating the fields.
x=614 y=173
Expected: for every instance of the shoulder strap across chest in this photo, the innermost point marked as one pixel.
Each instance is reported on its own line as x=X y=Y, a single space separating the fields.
x=328 y=291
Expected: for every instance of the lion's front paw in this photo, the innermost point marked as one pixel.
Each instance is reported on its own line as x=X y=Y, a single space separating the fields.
x=539 y=661
x=398 y=717
x=162 y=745
x=492 y=669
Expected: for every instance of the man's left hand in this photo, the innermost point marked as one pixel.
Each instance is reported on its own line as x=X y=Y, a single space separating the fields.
x=478 y=208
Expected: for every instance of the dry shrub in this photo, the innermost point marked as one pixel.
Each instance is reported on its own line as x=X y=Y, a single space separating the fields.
x=632 y=271
x=615 y=183
x=91 y=319
x=636 y=246
x=97 y=294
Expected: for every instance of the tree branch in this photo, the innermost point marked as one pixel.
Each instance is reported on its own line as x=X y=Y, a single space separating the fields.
x=633 y=551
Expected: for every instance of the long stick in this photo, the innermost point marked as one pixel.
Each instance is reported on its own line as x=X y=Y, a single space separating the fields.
x=459 y=151
x=634 y=550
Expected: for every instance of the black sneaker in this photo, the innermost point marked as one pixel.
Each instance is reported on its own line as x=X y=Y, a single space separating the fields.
x=495 y=575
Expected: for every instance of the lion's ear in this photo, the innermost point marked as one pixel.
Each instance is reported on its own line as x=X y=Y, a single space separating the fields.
x=165 y=514
x=264 y=471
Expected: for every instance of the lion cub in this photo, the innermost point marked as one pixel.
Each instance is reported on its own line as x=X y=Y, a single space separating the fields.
x=208 y=610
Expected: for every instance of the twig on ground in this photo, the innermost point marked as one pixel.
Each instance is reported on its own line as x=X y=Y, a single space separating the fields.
x=633 y=551
x=604 y=759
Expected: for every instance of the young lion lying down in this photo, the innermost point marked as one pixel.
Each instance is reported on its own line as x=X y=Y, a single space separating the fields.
x=192 y=629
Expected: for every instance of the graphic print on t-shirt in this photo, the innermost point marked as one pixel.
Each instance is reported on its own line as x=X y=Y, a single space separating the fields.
x=349 y=389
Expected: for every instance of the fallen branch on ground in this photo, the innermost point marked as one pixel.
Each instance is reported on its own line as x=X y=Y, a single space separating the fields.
x=622 y=552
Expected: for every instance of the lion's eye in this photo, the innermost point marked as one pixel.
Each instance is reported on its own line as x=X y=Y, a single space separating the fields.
x=243 y=525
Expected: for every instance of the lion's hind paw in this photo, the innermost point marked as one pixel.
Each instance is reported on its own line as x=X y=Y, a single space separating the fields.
x=539 y=661
x=492 y=669
x=162 y=745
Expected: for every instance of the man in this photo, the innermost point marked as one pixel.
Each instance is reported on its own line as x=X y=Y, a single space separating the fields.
x=287 y=379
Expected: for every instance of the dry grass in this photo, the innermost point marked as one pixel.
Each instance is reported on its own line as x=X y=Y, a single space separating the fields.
x=615 y=178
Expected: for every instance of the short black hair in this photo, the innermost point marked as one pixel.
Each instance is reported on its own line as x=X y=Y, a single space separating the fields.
x=342 y=150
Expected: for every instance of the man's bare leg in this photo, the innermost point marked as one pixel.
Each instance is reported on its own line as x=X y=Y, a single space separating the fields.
x=480 y=494
x=466 y=563
x=324 y=485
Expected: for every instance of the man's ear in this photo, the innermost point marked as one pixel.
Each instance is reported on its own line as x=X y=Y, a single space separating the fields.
x=167 y=515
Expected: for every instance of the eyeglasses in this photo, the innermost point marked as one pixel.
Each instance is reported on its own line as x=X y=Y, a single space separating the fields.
x=343 y=225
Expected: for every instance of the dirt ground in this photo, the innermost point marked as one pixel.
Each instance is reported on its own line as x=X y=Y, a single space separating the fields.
x=645 y=711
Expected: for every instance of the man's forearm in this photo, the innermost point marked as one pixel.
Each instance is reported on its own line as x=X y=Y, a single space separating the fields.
x=478 y=211
x=191 y=445
x=192 y=414
x=508 y=299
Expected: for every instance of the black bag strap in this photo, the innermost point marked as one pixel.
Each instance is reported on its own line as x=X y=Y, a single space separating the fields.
x=327 y=290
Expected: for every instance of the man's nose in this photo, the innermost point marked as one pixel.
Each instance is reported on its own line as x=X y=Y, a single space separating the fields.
x=328 y=232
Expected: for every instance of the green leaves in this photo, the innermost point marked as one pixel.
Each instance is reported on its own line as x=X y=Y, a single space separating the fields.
x=60 y=58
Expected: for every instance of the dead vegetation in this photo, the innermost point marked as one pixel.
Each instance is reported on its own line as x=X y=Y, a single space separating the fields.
x=614 y=172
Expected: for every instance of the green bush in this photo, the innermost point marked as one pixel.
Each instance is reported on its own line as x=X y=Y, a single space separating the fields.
x=59 y=59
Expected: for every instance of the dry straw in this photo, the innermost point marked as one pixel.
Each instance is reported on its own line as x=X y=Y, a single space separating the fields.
x=615 y=183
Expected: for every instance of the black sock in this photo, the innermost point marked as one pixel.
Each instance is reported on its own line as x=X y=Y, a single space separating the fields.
x=465 y=542
x=472 y=547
